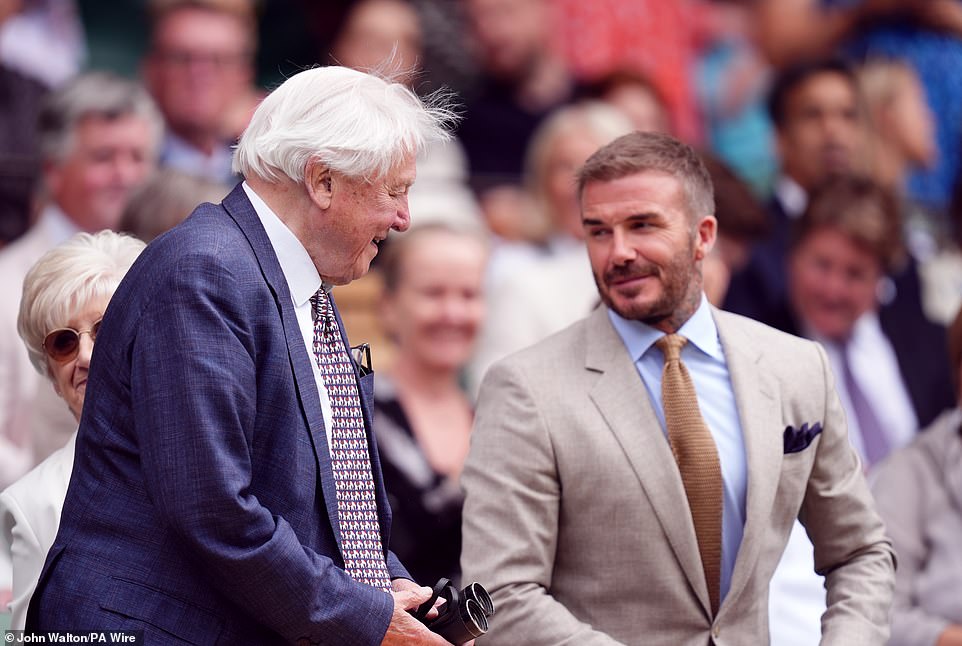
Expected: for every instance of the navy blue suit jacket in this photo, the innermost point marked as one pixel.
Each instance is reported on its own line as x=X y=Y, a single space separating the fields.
x=201 y=507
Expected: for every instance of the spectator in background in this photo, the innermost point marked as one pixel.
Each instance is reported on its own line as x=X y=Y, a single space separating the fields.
x=918 y=490
x=732 y=79
x=385 y=35
x=925 y=33
x=98 y=140
x=890 y=367
x=432 y=308
x=199 y=68
x=848 y=238
x=374 y=31
x=942 y=274
x=538 y=287
x=64 y=298
x=651 y=37
x=815 y=110
x=900 y=137
x=634 y=95
x=524 y=79
x=20 y=98
x=742 y=221
x=165 y=200
x=44 y=40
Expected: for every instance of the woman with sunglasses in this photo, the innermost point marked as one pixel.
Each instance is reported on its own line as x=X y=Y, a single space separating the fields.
x=65 y=295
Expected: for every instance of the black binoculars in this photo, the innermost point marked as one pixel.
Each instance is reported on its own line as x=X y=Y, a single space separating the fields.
x=463 y=617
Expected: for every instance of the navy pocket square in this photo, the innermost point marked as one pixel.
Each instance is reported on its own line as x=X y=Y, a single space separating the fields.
x=798 y=439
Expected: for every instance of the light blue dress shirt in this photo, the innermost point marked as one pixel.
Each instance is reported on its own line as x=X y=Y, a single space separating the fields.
x=705 y=360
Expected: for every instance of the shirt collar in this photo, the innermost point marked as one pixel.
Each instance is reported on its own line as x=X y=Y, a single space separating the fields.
x=865 y=334
x=699 y=329
x=299 y=270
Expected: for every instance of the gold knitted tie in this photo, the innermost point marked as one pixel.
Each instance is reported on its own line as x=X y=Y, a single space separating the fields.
x=697 y=457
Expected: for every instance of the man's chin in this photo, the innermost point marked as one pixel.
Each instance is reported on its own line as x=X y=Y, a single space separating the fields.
x=630 y=309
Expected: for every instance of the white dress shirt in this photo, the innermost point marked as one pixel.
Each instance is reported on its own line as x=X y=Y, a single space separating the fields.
x=704 y=358
x=876 y=371
x=303 y=281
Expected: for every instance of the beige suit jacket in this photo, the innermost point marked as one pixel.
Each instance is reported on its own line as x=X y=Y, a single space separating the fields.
x=576 y=518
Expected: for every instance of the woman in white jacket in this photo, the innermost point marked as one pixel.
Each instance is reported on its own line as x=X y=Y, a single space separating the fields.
x=65 y=295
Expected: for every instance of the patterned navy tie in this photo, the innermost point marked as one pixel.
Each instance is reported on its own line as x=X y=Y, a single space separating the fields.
x=350 y=459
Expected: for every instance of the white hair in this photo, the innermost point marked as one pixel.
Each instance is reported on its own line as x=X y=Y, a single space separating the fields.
x=94 y=94
x=355 y=123
x=66 y=279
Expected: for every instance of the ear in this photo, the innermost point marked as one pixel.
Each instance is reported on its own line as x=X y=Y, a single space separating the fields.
x=705 y=233
x=319 y=183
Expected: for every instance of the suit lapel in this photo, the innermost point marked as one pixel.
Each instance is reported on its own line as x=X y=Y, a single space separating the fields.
x=622 y=400
x=756 y=395
x=242 y=211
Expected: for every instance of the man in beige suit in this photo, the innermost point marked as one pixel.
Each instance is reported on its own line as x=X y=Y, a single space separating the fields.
x=601 y=509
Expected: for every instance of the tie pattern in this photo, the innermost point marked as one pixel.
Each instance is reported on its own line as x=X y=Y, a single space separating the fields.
x=697 y=457
x=350 y=458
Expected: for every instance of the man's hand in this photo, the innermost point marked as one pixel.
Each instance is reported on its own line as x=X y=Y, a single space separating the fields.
x=404 y=628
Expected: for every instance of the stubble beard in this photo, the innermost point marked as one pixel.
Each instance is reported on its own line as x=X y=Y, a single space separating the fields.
x=680 y=296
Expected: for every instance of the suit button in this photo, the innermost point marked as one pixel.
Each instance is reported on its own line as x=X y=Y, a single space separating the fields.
x=715 y=631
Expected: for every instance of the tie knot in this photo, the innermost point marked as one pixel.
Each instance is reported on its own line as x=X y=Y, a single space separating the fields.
x=671 y=345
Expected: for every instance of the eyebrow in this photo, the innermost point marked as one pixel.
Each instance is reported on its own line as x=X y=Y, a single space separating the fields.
x=634 y=217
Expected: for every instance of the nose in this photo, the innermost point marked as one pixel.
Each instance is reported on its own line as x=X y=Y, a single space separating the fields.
x=621 y=252
x=402 y=220
x=456 y=309
x=129 y=169
x=86 y=349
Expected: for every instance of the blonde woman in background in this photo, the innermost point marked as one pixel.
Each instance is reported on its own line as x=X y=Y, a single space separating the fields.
x=433 y=307
x=65 y=296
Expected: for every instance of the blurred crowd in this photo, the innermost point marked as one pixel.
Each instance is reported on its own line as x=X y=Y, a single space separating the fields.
x=832 y=130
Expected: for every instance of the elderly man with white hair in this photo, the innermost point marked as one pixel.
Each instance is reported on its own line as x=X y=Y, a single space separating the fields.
x=227 y=488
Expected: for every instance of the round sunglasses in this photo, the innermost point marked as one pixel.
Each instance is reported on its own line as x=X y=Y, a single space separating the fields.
x=63 y=344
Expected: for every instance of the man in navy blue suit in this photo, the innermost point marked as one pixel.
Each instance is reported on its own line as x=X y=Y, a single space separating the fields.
x=208 y=501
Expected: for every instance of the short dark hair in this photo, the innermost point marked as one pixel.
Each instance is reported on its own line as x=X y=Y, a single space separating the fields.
x=652 y=151
x=791 y=77
x=862 y=210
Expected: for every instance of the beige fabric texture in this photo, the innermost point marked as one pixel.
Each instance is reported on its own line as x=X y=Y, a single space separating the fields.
x=576 y=518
